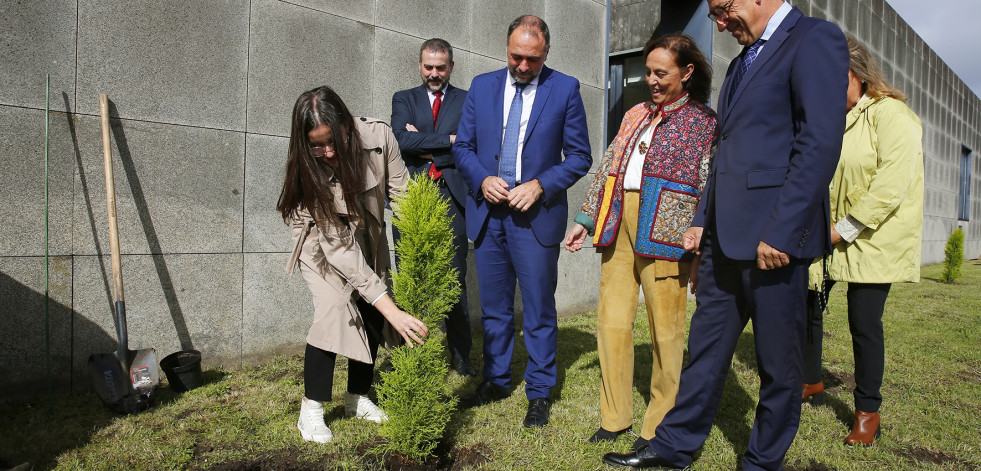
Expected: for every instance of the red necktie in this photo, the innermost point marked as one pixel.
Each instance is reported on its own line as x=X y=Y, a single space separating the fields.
x=434 y=173
x=436 y=104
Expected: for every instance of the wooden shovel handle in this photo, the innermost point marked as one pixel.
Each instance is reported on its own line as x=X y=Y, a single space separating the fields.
x=117 y=269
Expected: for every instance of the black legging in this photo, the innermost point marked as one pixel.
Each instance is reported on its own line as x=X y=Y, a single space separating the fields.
x=318 y=365
x=866 y=302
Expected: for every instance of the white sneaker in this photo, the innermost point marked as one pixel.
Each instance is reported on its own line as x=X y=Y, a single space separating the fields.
x=361 y=407
x=311 y=422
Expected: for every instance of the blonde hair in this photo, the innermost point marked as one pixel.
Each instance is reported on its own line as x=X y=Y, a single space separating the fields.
x=867 y=70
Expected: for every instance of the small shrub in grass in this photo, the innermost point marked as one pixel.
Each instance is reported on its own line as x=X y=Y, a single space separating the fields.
x=425 y=286
x=953 y=257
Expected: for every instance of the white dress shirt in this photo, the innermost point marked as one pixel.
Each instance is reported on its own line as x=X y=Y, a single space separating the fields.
x=527 y=100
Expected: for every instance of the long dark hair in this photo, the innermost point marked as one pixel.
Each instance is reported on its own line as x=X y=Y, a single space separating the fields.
x=686 y=52
x=307 y=182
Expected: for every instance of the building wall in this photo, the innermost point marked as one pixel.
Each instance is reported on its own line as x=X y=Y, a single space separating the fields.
x=201 y=96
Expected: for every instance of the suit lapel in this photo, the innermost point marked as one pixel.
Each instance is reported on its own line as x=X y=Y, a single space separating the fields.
x=497 y=97
x=541 y=96
x=424 y=110
x=769 y=50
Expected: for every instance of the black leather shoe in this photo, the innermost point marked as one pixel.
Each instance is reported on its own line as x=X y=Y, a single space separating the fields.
x=642 y=458
x=604 y=435
x=462 y=366
x=485 y=393
x=537 y=415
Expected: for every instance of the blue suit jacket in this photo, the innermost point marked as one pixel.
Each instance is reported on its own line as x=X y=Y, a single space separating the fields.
x=556 y=127
x=779 y=140
x=412 y=106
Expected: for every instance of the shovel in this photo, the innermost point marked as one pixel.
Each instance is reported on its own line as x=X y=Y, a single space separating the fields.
x=125 y=379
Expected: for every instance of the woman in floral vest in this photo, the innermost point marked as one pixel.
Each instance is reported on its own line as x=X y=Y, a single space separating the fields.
x=637 y=209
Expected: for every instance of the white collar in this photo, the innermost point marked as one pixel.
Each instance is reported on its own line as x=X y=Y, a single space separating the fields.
x=775 y=20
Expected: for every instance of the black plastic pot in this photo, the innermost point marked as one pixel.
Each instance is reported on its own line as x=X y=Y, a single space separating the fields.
x=183 y=370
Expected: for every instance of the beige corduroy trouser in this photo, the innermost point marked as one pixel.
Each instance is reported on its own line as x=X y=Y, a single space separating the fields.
x=665 y=291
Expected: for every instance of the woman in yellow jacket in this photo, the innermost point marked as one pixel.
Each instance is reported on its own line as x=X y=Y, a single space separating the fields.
x=876 y=229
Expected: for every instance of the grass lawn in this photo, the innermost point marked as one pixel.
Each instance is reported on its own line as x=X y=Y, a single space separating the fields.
x=245 y=419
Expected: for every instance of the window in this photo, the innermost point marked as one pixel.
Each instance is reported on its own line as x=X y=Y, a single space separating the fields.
x=627 y=85
x=964 y=198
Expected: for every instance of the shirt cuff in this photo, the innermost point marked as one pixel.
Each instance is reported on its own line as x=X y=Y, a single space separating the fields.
x=586 y=222
x=376 y=299
x=849 y=228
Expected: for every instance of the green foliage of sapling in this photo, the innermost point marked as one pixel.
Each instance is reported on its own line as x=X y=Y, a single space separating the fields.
x=953 y=257
x=425 y=286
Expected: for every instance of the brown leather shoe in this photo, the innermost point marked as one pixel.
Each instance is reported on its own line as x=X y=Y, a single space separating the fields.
x=815 y=392
x=865 y=430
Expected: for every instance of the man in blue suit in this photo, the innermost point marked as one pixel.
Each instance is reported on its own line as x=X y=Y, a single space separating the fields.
x=517 y=124
x=424 y=120
x=763 y=216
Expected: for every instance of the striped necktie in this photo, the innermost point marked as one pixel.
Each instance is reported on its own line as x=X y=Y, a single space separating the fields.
x=748 y=57
x=509 y=149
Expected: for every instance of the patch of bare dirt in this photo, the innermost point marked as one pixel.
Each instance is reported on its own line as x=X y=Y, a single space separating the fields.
x=922 y=455
x=470 y=457
x=282 y=460
x=445 y=458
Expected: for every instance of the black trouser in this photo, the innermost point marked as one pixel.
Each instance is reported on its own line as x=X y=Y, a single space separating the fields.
x=866 y=302
x=318 y=365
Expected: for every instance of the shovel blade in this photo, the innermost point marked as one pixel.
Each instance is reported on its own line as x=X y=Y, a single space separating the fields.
x=125 y=389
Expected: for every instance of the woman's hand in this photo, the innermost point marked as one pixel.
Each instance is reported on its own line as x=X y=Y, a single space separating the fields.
x=410 y=328
x=835 y=236
x=575 y=238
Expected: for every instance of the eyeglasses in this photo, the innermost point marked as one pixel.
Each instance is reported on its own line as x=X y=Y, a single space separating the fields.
x=720 y=13
x=321 y=151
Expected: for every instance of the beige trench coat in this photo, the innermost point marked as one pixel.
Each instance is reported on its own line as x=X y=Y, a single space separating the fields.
x=333 y=263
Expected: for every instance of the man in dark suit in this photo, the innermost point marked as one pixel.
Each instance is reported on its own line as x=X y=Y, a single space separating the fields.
x=517 y=123
x=763 y=216
x=424 y=120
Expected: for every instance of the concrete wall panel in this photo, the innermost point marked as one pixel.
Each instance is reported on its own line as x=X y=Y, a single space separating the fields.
x=396 y=67
x=489 y=23
x=294 y=49
x=593 y=99
x=25 y=319
x=427 y=19
x=181 y=62
x=578 y=47
x=22 y=182
x=277 y=310
x=178 y=189
x=265 y=168
x=361 y=11
x=173 y=302
x=632 y=24
x=38 y=38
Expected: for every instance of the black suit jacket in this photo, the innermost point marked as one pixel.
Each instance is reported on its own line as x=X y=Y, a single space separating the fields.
x=412 y=107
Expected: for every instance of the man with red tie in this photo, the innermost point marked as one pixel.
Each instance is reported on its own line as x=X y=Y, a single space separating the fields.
x=424 y=120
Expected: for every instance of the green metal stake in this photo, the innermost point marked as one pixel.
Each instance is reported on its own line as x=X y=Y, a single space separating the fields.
x=47 y=297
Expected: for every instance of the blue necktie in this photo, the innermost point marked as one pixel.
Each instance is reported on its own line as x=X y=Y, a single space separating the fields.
x=744 y=64
x=509 y=149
